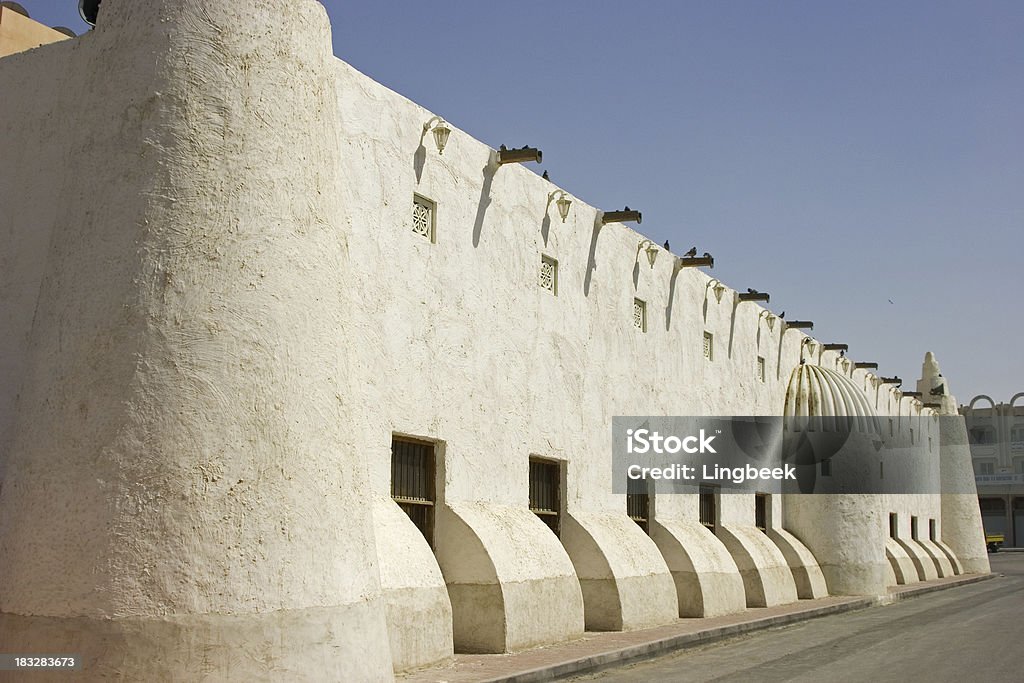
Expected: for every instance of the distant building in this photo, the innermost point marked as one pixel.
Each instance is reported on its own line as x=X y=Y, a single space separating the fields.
x=996 y=433
x=18 y=32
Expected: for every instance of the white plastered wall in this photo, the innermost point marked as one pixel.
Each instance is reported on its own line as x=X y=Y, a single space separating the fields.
x=181 y=496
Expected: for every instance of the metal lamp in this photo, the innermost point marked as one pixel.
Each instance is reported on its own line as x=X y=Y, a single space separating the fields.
x=441 y=132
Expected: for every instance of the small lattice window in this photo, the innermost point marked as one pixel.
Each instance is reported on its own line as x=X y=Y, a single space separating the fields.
x=640 y=315
x=549 y=274
x=709 y=346
x=760 y=368
x=423 y=216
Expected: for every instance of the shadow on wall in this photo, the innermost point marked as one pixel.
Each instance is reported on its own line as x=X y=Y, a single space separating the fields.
x=732 y=322
x=485 y=196
x=778 y=358
x=545 y=226
x=671 y=298
x=418 y=161
x=592 y=257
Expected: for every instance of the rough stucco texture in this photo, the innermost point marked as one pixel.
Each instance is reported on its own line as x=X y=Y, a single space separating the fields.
x=219 y=315
x=184 y=402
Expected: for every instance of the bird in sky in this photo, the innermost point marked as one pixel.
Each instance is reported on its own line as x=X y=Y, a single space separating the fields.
x=890 y=301
x=691 y=253
x=666 y=246
x=782 y=316
x=544 y=175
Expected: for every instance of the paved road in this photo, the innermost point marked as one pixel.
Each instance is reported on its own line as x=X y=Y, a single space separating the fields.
x=971 y=634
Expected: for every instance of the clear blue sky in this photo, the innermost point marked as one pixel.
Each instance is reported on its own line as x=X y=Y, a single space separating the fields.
x=835 y=154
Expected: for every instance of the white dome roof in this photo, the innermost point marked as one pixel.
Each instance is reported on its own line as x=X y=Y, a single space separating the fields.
x=816 y=392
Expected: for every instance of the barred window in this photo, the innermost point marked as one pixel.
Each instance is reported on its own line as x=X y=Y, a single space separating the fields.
x=412 y=482
x=638 y=503
x=760 y=368
x=545 y=492
x=709 y=346
x=761 y=511
x=709 y=506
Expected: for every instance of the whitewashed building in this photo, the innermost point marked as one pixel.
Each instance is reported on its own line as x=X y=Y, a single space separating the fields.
x=283 y=383
x=996 y=434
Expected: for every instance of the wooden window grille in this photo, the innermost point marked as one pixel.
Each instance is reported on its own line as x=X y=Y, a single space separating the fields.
x=761 y=511
x=424 y=213
x=640 y=315
x=548 y=274
x=545 y=492
x=638 y=503
x=709 y=506
x=412 y=482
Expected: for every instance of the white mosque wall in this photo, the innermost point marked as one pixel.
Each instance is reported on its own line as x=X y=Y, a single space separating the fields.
x=224 y=287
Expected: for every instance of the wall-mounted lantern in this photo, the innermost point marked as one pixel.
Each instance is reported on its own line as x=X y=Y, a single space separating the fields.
x=865 y=366
x=845 y=362
x=769 y=318
x=717 y=287
x=519 y=156
x=800 y=325
x=441 y=132
x=626 y=215
x=651 y=248
x=836 y=347
x=562 y=203
x=754 y=295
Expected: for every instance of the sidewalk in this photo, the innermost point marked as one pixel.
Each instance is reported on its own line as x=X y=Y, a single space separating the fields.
x=600 y=650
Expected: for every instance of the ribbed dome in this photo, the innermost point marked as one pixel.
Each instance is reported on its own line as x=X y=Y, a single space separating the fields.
x=816 y=392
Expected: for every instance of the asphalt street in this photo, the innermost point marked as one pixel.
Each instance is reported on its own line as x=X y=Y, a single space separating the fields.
x=970 y=633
